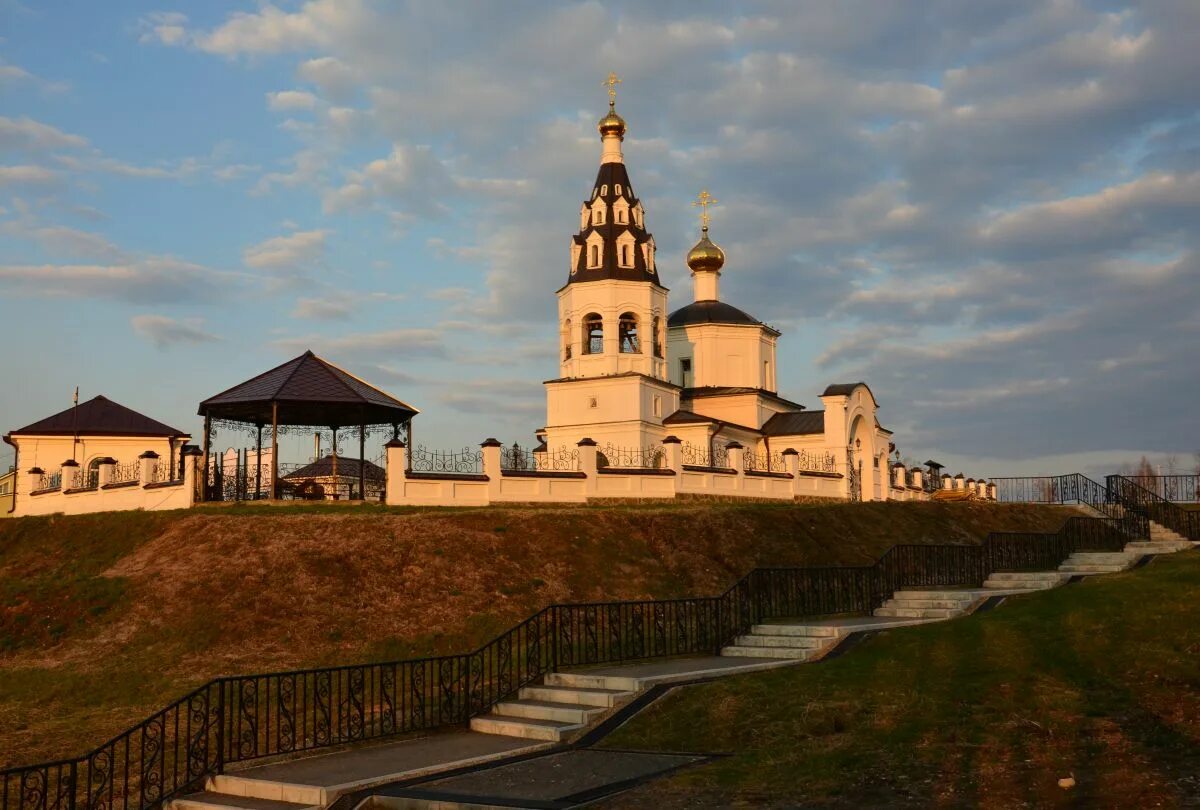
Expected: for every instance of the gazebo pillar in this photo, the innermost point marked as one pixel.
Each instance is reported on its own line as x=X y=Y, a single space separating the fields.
x=362 y=456
x=258 y=464
x=274 y=449
x=206 y=439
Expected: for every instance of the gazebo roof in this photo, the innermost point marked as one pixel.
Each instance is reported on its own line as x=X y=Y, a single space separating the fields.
x=346 y=468
x=307 y=391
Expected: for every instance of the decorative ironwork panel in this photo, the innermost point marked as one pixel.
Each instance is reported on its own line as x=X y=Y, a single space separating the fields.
x=517 y=458
x=467 y=460
x=645 y=458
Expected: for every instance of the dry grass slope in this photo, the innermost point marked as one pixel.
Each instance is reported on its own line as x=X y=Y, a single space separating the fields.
x=103 y=619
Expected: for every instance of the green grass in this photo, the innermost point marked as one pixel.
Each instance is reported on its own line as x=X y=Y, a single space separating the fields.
x=1098 y=680
x=106 y=618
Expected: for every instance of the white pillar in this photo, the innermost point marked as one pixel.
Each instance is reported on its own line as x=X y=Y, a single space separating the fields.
x=34 y=479
x=791 y=465
x=70 y=475
x=148 y=466
x=898 y=476
x=673 y=447
x=958 y=481
x=991 y=492
x=396 y=467
x=918 y=478
x=737 y=460
x=947 y=481
x=104 y=471
x=490 y=449
x=191 y=464
x=587 y=464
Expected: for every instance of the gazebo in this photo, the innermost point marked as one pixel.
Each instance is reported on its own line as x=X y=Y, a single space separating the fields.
x=305 y=392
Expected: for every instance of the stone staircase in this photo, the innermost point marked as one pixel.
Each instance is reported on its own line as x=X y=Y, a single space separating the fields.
x=1086 y=563
x=797 y=642
x=928 y=604
x=1026 y=580
x=564 y=704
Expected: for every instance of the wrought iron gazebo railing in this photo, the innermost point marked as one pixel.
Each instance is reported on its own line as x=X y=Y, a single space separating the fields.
x=626 y=458
x=519 y=459
x=425 y=460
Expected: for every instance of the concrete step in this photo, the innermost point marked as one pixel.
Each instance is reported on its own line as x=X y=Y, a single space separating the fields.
x=1020 y=585
x=1100 y=558
x=1158 y=547
x=919 y=613
x=810 y=630
x=797 y=653
x=795 y=642
x=547 y=710
x=966 y=597
x=947 y=604
x=523 y=727
x=1025 y=576
x=582 y=680
x=1092 y=569
x=210 y=800
x=600 y=698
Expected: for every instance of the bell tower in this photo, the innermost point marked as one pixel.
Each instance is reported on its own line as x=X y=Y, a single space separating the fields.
x=612 y=312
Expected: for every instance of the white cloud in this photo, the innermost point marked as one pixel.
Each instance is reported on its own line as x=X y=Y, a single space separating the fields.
x=27 y=175
x=336 y=80
x=151 y=280
x=164 y=27
x=332 y=307
x=164 y=332
x=385 y=344
x=293 y=251
x=291 y=100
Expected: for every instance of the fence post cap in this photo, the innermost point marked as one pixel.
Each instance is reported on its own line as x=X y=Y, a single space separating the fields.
x=585 y=442
x=960 y=475
x=672 y=440
x=149 y=454
x=36 y=471
x=491 y=443
x=734 y=446
x=106 y=460
x=191 y=450
x=395 y=443
x=70 y=463
x=791 y=451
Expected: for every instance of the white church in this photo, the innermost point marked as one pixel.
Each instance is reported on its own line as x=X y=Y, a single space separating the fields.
x=632 y=371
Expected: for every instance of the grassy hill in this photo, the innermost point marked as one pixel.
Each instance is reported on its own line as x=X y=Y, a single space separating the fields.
x=105 y=618
x=1097 y=681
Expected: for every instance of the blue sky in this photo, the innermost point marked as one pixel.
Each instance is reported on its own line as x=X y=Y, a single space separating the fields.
x=985 y=210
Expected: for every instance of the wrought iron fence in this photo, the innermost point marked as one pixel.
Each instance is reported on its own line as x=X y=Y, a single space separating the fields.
x=817 y=461
x=165 y=472
x=716 y=456
x=517 y=458
x=124 y=473
x=239 y=719
x=1076 y=488
x=1141 y=501
x=647 y=458
x=424 y=459
x=1177 y=488
x=763 y=462
x=52 y=480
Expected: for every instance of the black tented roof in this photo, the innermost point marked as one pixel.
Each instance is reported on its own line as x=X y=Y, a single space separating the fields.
x=307 y=391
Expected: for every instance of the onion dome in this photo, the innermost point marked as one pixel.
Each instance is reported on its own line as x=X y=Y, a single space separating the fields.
x=612 y=124
x=706 y=255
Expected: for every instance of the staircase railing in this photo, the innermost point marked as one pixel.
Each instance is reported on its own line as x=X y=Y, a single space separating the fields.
x=1069 y=489
x=243 y=718
x=1154 y=507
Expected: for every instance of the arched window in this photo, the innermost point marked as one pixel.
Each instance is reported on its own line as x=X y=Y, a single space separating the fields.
x=620 y=216
x=628 y=334
x=658 y=342
x=593 y=334
x=594 y=261
x=598 y=214
x=626 y=256
x=567 y=339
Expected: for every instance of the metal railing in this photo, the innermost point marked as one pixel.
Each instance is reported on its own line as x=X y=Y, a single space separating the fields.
x=466 y=461
x=645 y=458
x=701 y=456
x=1176 y=488
x=1142 y=501
x=1073 y=488
x=239 y=719
x=519 y=459
x=763 y=462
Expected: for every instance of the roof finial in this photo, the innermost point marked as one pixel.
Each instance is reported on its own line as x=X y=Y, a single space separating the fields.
x=703 y=201
x=612 y=81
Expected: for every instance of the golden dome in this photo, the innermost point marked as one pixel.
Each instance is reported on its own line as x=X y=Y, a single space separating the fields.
x=612 y=123
x=706 y=255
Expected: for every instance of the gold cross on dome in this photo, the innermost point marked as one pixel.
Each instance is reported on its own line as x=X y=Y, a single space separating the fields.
x=703 y=201
x=612 y=81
